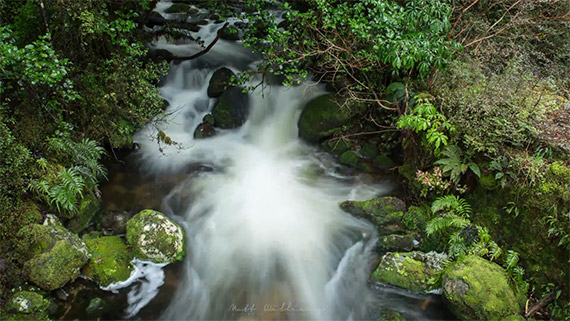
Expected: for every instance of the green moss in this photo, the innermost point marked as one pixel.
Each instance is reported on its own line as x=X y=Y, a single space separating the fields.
x=231 y=109
x=35 y=239
x=155 y=237
x=322 y=117
x=395 y=242
x=415 y=218
x=53 y=269
x=110 y=260
x=380 y=211
x=369 y=151
x=476 y=289
x=561 y=172
x=12 y=222
x=390 y=315
x=488 y=182
x=351 y=158
x=383 y=162
x=230 y=33
x=26 y=302
x=409 y=270
x=336 y=146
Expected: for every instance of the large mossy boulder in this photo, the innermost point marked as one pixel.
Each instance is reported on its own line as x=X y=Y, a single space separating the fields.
x=476 y=289
x=221 y=79
x=384 y=212
x=110 y=260
x=155 y=237
x=323 y=116
x=396 y=242
x=231 y=109
x=52 y=255
x=410 y=270
x=55 y=268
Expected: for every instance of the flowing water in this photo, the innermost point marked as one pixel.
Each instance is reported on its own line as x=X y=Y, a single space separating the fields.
x=265 y=236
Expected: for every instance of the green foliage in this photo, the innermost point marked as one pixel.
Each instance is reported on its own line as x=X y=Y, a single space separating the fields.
x=331 y=38
x=425 y=119
x=454 y=165
x=64 y=187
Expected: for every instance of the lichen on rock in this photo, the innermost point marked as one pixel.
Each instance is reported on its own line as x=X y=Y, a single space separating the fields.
x=410 y=270
x=26 y=305
x=110 y=260
x=155 y=237
x=476 y=289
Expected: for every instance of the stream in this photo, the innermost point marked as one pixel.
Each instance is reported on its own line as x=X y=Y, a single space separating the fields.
x=266 y=238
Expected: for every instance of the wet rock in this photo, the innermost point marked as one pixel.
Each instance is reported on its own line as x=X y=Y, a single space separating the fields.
x=115 y=221
x=476 y=289
x=160 y=54
x=88 y=208
x=352 y=159
x=322 y=117
x=336 y=146
x=95 y=306
x=383 y=162
x=231 y=109
x=397 y=243
x=155 y=19
x=53 y=269
x=110 y=260
x=385 y=213
x=155 y=237
x=204 y=130
x=219 y=82
x=410 y=270
x=230 y=33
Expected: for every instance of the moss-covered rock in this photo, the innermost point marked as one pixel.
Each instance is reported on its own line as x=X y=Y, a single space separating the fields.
x=110 y=260
x=221 y=79
x=369 y=151
x=26 y=302
x=383 y=162
x=396 y=242
x=230 y=33
x=153 y=236
x=384 y=212
x=336 y=146
x=231 y=109
x=36 y=239
x=322 y=117
x=53 y=269
x=476 y=289
x=181 y=8
x=391 y=315
x=410 y=270
x=352 y=159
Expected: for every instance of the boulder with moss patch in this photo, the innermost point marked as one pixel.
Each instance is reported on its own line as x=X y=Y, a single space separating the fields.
x=110 y=260
x=384 y=212
x=231 y=109
x=26 y=302
x=155 y=237
x=37 y=239
x=221 y=79
x=410 y=270
x=476 y=289
x=323 y=116
x=396 y=242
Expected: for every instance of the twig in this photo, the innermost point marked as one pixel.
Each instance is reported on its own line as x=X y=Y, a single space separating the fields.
x=541 y=303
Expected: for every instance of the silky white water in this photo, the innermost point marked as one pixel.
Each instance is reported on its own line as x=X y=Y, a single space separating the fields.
x=266 y=238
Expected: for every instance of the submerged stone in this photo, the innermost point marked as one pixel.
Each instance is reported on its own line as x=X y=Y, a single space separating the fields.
x=231 y=109
x=476 y=289
x=110 y=260
x=322 y=117
x=155 y=237
x=410 y=270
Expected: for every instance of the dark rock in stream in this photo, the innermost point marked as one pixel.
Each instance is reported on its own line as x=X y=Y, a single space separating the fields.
x=155 y=19
x=204 y=130
x=158 y=54
x=231 y=109
x=219 y=82
x=115 y=221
